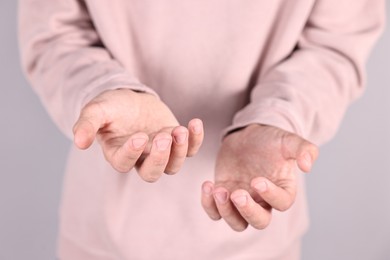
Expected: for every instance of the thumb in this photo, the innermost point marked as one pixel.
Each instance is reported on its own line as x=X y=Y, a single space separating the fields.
x=301 y=150
x=90 y=121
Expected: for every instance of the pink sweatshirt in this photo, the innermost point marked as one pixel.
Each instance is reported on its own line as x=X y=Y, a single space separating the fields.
x=292 y=64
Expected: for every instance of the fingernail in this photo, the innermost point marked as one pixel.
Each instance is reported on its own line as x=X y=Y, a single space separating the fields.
x=181 y=138
x=221 y=197
x=138 y=142
x=207 y=190
x=163 y=144
x=240 y=200
x=261 y=186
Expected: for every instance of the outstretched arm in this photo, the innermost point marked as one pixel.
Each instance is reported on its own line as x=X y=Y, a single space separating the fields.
x=301 y=98
x=78 y=80
x=65 y=60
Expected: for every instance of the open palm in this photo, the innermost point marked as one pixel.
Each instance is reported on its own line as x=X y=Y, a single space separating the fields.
x=137 y=129
x=256 y=171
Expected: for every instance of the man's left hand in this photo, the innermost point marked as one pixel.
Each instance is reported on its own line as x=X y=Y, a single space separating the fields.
x=255 y=172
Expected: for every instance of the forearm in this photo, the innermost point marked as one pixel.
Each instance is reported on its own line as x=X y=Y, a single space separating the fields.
x=308 y=92
x=65 y=60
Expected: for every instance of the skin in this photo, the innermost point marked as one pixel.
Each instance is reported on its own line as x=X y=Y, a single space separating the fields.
x=255 y=169
x=255 y=172
x=137 y=130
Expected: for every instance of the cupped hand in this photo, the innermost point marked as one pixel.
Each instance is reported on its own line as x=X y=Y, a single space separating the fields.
x=255 y=172
x=137 y=130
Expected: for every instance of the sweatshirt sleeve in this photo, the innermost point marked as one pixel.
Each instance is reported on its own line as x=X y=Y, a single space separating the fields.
x=64 y=59
x=308 y=92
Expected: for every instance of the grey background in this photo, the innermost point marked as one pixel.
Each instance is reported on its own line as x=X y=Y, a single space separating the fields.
x=348 y=191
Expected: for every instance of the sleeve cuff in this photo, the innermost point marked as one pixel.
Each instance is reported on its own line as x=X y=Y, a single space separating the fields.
x=268 y=113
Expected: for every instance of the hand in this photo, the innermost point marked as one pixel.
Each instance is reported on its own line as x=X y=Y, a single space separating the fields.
x=137 y=130
x=256 y=171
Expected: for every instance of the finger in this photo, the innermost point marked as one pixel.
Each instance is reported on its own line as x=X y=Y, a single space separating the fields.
x=125 y=156
x=279 y=198
x=253 y=213
x=307 y=158
x=295 y=147
x=196 y=135
x=152 y=136
x=228 y=211
x=90 y=121
x=178 y=150
x=155 y=162
x=208 y=202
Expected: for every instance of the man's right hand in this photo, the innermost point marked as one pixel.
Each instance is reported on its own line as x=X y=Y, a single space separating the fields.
x=137 y=130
